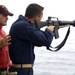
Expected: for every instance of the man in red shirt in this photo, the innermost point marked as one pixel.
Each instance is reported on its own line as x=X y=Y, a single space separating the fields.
x=5 y=62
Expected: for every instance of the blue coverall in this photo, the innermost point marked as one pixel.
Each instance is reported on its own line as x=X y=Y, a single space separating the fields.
x=24 y=37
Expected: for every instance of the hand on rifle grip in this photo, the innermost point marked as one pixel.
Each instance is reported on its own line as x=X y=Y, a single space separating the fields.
x=51 y=28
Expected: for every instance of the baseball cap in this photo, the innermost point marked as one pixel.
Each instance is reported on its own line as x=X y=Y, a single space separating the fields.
x=4 y=11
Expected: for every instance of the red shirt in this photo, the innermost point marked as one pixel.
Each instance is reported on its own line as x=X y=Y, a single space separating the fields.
x=4 y=54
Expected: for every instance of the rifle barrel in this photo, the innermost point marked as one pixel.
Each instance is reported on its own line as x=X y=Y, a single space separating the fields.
x=60 y=23
x=66 y=22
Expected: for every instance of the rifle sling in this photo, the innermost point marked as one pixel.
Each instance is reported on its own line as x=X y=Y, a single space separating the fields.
x=57 y=48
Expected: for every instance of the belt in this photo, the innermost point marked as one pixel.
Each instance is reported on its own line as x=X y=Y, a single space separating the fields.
x=9 y=73
x=12 y=73
x=3 y=69
x=22 y=65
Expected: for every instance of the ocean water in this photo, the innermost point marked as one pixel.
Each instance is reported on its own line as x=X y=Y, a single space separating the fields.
x=61 y=62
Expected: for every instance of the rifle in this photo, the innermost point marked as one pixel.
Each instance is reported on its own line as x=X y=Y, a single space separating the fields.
x=57 y=23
